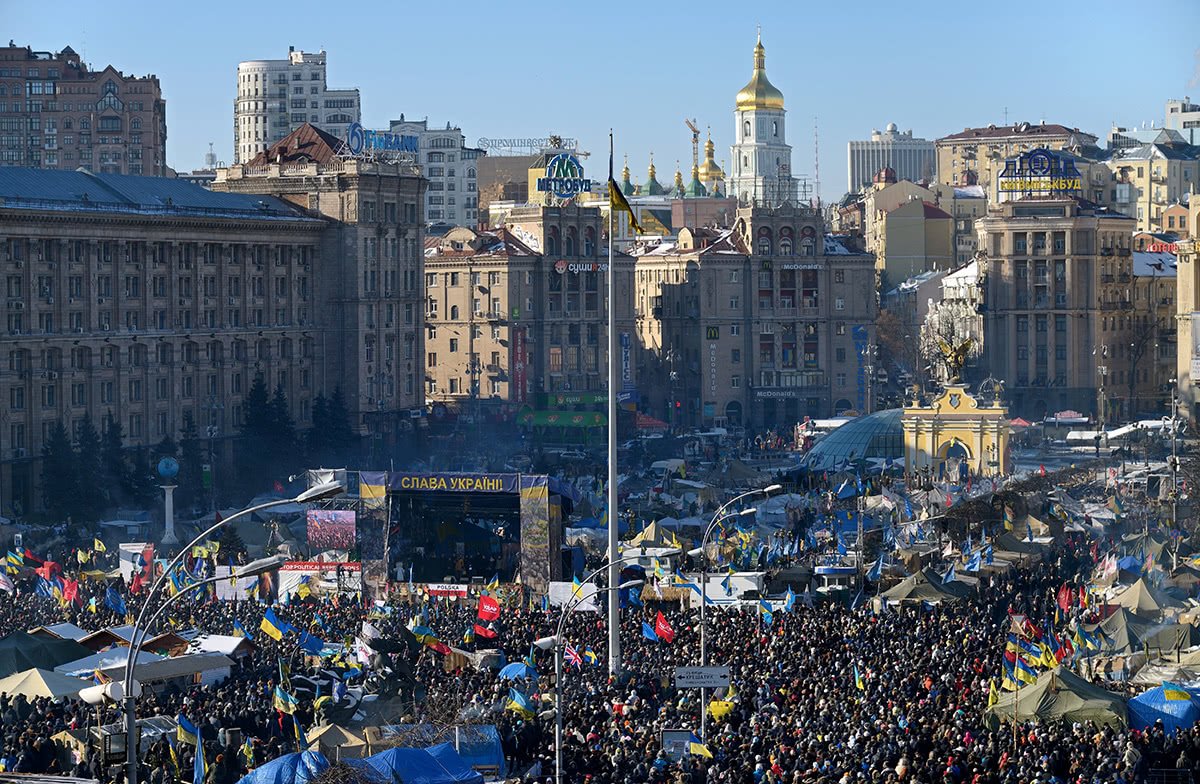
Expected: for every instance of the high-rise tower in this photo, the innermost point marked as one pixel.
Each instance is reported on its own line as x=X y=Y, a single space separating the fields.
x=761 y=167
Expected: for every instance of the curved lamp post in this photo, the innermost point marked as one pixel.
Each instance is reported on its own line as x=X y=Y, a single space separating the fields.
x=556 y=643
x=138 y=634
x=718 y=517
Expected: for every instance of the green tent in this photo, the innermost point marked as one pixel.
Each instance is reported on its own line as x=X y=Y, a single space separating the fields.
x=20 y=652
x=1059 y=695
x=927 y=586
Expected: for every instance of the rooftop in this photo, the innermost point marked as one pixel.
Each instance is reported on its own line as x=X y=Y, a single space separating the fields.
x=1158 y=264
x=85 y=191
x=1019 y=129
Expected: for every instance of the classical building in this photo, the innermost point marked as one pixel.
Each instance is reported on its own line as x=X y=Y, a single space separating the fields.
x=760 y=171
x=1148 y=179
x=148 y=299
x=976 y=155
x=275 y=97
x=451 y=168
x=520 y=311
x=756 y=325
x=954 y=436
x=369 y=310
x=1153 y=334
x=55 y=113
x=1058 y=311
x=909 y=157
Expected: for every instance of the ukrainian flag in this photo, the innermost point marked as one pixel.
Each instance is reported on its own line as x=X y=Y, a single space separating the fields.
x=698 y=748
x=858 y=680
x=199 y=769
x=1173 y=692
x=186 y=731
x=284 y=702
x=272 y=626
x=1024 y=673
x=576 y=587
x=519 y=703
x=719 y=709
x=493 y=584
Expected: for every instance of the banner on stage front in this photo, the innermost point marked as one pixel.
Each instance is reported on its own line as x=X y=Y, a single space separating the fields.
x=320 y=578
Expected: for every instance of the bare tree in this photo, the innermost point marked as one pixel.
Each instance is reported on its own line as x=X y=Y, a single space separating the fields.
x=1143 y=337
x=950 y=322
x=900 y=344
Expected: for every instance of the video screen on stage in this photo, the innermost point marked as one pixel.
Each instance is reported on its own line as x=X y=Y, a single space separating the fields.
x=331 y=529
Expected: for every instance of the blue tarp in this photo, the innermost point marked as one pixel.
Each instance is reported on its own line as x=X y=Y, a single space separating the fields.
x=478 y=745
x=288 y=769
x=419 y=766
x=1151 y=706
x=1130 y=564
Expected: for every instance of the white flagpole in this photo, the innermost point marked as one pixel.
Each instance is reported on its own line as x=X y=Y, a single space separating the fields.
x=614 y=513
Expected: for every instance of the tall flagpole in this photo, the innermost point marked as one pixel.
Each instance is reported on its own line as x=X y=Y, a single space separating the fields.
x=614 y=513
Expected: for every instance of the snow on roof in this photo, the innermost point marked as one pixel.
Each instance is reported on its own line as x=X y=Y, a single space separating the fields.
x=833 y=247
x=969 y=192
x=1160 y=264
x=968 y=273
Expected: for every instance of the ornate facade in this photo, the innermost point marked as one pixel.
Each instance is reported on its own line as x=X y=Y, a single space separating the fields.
x=760 y=171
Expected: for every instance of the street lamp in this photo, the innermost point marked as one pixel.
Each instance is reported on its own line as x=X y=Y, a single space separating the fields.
x=137 y=634
x=718 y=517
x=556 y=642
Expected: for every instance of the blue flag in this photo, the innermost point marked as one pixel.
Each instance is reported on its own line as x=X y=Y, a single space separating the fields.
x=635 y=597
x=876 y=573
x=648 y=632
x=975 y=561
x=949 y=576
x=114 y=601
x=310 y=644
x=767 y=616
x=790 y=601
x=198 y=767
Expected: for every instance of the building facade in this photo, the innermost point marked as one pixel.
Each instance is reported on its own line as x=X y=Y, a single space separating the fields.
x=1184 y=116
x=1153 y=336
x=368 y=314
x=1148 y=179
x=760 y=171
x=55 y=113
x=976 y=155
x=1187 y=316
x=275 y=97
x=452 y=169
x=148 y=299
x=910 y=158
x=758 y=325
x=521 y=311
x=1058 y=313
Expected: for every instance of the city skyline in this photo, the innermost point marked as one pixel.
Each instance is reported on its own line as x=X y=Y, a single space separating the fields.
x=644 y=91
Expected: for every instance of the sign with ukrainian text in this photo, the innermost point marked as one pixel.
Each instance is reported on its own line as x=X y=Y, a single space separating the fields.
x=564 y=177
x=455 y=483
x=1039 y=172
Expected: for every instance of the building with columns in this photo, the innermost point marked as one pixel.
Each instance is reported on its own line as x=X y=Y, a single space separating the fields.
x=760 y=169
x=148 y=299
x=1187 y=315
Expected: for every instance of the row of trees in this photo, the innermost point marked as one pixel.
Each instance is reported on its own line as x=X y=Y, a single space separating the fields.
x=91 y=472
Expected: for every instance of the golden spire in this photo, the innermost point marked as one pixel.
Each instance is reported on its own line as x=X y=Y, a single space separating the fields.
x=759 y=93
x=678 y=177
x=651 y=170
x=625 y=168
x=709 y=170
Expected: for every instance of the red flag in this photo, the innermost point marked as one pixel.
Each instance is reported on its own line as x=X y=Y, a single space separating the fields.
x=663 y=629
x=135 y=584
x=1065 y=597
x=486 y=632
x=70 y=590
x=148 y=562
x=29 y=556
x=278 y=486
x=1042 y=470
x=1068 y=648
x=489 y=609
x=47 y=570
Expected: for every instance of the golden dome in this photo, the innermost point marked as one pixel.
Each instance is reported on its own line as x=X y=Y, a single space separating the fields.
x=709 y=170
x=759 y=93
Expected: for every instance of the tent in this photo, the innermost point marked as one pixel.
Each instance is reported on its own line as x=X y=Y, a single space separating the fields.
x=20 y=652
x=298 y=768
x=477 y=744
x=1127 y=632
x=653 y=535
x=337 y=743
x=41 y=683
x=1144 y=599
x=1059 y=695
x=419 y=766
x=1175 y=714
x=926 y=586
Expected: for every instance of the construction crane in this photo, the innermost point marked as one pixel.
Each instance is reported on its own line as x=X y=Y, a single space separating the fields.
x=691 y=124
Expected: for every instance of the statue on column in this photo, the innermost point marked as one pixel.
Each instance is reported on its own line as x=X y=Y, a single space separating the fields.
x=955 y=357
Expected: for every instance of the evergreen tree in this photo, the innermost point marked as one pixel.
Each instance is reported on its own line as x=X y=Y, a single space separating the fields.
x=283 y=427
x=191 y=463
x=115 y=469
x=317 y=438
x=342 y=436
x=255 y=450
x=59 y=474
x=93 y=497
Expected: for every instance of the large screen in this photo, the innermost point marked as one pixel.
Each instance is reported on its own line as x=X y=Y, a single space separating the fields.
x=331 y=529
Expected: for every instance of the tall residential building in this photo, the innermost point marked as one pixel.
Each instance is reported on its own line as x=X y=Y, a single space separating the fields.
x=976 y=155
x=1148 y=179
x=910 y=158
x=148 y=299
x=56 y=113
x=452 y=170
x=1154 y=332
x=756 y=325
x=368 y=315
x=761 y=168
x=1184 y=116
x=1057 y=280
x=275 y=97
x=1187 y=315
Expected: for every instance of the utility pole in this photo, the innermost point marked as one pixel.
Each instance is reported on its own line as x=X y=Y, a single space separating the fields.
x=1174 y=455
x=212 y=431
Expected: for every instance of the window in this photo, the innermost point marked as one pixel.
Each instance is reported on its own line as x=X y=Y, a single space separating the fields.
x=735 y=382
x=839 y=304
x=431 y=360
x=735 y=356
x=453 y=345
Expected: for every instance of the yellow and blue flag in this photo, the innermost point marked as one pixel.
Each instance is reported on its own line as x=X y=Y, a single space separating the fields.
x=273 y=626
x=1173 y=692
x=199 y=769
x=186 y=731
x=519 y=703
x=240 y=630
x=284 y=702
x=858 y=680
x=698 y=748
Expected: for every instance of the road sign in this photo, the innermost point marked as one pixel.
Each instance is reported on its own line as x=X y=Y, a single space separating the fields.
x=701 y=677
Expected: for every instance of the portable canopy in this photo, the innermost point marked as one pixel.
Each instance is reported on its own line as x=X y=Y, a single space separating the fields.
x=298 y=768
x=478 y=744
x=336 y=742
x=1059 y=695
x=418 y=766
x=20 y=652
x=653 y=535
x=41 y=683
x=1175 y=714
x=926 y=586
x=1144 y=599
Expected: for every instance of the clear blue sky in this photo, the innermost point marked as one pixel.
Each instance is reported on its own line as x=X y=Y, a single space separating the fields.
x=531 y=68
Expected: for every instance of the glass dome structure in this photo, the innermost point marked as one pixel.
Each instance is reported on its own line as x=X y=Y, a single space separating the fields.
x=878 y=435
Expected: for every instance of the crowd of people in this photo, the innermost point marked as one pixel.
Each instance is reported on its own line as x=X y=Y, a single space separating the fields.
x=823 y=692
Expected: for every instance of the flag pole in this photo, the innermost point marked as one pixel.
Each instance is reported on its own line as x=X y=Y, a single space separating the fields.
x=614 y=569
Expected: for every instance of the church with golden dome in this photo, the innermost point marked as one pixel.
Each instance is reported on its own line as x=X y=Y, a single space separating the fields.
x=761 y=159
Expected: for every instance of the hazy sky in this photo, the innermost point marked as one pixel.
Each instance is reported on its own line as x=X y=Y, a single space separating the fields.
x=531 y=68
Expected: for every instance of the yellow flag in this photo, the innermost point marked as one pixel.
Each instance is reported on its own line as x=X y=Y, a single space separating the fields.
x=83 y=556
x=718 y=709
x=98 y=546
x=993 y=695
x=618 y=202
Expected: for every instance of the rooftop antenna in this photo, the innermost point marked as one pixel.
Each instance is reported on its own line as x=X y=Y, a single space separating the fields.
x=1006 y=115
x=210 y=158
x=816 y=163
